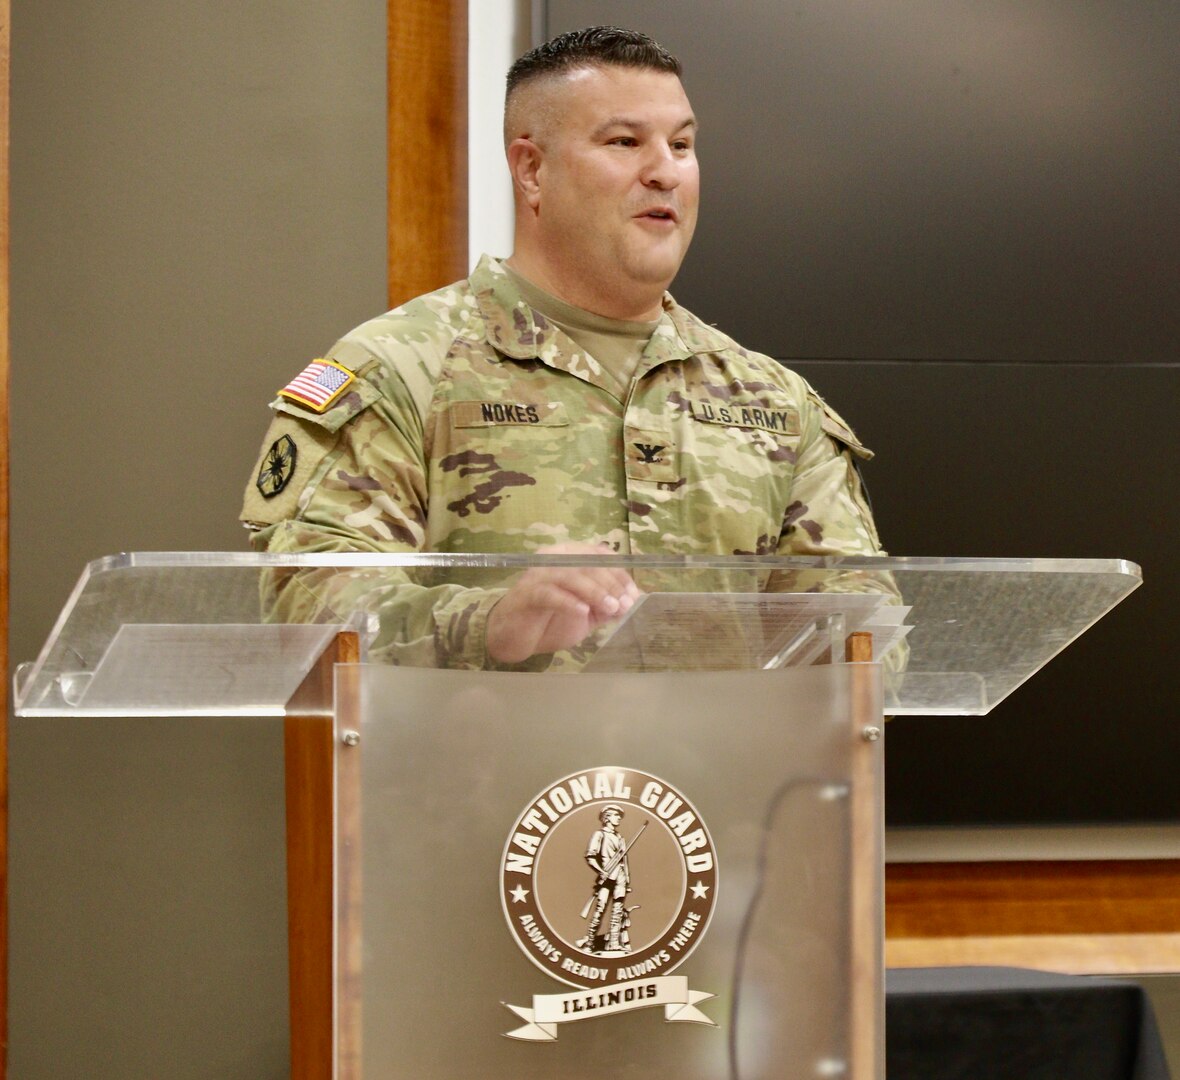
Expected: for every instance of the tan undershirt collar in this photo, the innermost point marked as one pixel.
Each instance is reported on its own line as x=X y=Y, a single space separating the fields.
x=616 y=344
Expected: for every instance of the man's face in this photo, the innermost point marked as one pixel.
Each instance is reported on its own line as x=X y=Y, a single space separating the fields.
x=613 y=818
x=618 y=183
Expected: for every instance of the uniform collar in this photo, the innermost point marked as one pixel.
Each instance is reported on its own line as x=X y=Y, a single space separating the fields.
x=516 y=330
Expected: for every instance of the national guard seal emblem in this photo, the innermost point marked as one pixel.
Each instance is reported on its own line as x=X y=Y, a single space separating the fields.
x=608 y=882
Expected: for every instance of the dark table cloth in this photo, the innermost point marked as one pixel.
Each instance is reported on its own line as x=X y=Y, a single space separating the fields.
x=989 y=1023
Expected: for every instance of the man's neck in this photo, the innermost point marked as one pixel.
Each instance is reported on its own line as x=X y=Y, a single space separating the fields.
x=633 y=306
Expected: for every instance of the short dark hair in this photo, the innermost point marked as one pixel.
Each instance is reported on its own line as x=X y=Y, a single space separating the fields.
x=596 y=46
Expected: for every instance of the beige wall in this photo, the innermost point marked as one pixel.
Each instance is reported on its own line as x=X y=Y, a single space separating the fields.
x=198 y=208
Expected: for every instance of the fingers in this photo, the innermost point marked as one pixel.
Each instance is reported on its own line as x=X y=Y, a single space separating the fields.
x=550 y=608
x=603 y=593
x=609 y=591
x=547 y=610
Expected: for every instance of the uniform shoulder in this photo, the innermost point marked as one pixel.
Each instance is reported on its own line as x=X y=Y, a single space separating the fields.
x=702 y=336
x=418 y=332
x=696 y=333
x=404 y=350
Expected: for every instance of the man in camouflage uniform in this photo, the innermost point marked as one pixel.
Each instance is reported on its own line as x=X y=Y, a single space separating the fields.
x=559 y=400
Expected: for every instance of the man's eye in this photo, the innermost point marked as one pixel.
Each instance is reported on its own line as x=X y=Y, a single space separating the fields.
x=623 y=140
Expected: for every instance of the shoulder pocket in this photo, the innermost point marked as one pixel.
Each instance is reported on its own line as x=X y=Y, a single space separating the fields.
x=359 y=395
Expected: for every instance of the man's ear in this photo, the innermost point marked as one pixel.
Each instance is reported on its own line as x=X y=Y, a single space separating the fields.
x=524 y=163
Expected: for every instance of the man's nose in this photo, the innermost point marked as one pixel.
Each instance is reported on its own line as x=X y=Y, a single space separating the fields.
x=660 y=168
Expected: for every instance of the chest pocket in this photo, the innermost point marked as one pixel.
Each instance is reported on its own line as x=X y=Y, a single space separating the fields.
x=650 y=454
x=739 y=462
x=780 y=420
x=754 y=438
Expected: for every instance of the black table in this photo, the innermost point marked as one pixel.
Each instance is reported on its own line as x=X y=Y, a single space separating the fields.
x=989 y=1023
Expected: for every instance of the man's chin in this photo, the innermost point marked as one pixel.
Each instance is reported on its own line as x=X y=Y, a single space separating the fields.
x=655 y=271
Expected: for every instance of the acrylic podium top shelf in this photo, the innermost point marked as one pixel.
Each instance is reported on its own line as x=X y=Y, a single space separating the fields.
x=209 y=633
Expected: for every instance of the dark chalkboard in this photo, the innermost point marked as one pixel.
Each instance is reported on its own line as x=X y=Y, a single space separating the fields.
x=961 y=221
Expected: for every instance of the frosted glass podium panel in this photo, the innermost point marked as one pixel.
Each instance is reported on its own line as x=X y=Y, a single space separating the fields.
x=477 y=812
x=162 y=634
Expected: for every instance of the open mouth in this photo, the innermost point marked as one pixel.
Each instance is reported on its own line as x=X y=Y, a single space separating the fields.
x=659 y=213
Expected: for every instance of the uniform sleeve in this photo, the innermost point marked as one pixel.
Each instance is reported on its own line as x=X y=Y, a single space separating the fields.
x=829 y=515
x=357 y=483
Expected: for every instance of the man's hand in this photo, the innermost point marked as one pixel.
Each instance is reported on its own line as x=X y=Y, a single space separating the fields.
x=550 y=608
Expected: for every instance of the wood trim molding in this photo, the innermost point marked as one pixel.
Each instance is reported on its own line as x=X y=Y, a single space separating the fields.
x=1083 y=916
x=1120 y=896
x=5 y=44
x=427 y=151
x=427 y=233
x=1069 y=954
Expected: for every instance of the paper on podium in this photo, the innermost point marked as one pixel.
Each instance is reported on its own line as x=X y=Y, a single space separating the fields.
x=161 y=669
x=677 y=631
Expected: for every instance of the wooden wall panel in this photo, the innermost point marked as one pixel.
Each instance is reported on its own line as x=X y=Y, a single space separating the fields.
x=427 y=145
x=308 y=742
x=427 y=228
x=1098 y=917
x=4 y=68
x=994 y=898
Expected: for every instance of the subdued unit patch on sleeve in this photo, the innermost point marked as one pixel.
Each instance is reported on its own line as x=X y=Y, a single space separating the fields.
x=278 y=467
x=291 y=453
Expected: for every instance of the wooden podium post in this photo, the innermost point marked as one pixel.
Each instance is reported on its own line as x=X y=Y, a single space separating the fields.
x=308 y=734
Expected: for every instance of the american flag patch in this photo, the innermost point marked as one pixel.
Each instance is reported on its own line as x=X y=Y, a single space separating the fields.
x=318 y=384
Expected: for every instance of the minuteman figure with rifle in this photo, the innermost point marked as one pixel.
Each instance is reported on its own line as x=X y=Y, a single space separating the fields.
x=607 y=855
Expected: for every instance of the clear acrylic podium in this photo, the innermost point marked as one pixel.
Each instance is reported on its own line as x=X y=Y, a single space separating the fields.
x=668 y=866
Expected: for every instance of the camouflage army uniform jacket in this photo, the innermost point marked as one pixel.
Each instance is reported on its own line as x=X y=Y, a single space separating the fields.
x=475 y=425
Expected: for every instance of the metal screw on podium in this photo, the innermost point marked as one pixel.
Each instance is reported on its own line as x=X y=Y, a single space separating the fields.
x=871 y=734
x=350 y=738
